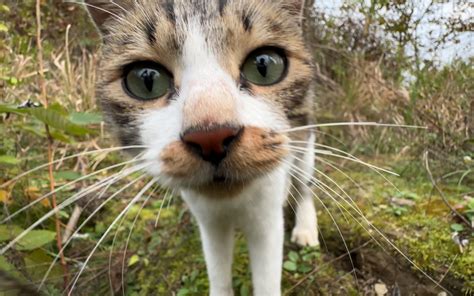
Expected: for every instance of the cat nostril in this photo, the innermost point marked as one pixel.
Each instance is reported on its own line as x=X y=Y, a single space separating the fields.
x=212 y=144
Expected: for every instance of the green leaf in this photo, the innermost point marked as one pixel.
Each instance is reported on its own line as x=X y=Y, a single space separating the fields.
x=85 y=118
x=304 y=269
x=183 y=292
x=37 y=264
x=290 y=266
x=67 y=175
x=55 y=119
x=8 y=232
x=12 y=109
x=244 y=290
x=293 y=256
x=8 y=267
x=61 y=137
x=457 y=227
x=3 y=27
x=133 y=260
x=4 y=8
x=35 y=239
x=7 y=159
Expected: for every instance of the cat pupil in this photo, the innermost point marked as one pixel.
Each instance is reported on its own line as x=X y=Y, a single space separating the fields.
x=262 y=64
x=148 y=77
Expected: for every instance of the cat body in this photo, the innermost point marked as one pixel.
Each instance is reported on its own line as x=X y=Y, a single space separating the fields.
x=210 y=89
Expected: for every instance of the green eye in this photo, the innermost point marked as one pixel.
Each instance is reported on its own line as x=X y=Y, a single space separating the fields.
x=147 y=81
x=265 y=66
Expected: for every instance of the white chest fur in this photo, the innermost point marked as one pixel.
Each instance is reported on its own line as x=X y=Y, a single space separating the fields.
x=258 y=213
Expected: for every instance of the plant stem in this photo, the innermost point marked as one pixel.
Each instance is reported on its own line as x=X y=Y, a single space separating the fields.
x=44 y=99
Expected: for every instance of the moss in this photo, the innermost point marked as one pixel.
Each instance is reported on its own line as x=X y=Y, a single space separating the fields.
x=420 y=229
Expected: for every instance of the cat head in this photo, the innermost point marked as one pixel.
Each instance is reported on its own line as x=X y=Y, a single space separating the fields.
x=208 y=86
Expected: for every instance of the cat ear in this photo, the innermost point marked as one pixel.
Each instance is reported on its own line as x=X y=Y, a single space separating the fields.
x=103 y=10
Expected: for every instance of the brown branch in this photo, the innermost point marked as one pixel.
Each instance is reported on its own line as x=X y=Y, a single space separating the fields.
x=44 y=99
x=443 y=197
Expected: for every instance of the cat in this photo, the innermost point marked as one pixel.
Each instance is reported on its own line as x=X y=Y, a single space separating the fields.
x=211 y=89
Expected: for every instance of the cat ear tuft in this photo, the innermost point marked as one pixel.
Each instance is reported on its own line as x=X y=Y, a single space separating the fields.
x=103 y=10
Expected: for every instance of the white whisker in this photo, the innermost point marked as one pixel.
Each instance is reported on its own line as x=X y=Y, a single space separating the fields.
x=112 y=149
x=54 y=211
x=161 y=207
x=330 y=215
x=130 y=235
x=122 y=213
x=84 y=224
x=38 y=200
x=316 y=182
x=349 y=157
x=333 y=124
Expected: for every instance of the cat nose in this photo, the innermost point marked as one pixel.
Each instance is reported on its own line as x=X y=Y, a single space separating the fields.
x=211 y=144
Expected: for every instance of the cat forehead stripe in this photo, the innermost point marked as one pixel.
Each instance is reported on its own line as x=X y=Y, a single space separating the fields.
x=168 y=7
x=222 y=4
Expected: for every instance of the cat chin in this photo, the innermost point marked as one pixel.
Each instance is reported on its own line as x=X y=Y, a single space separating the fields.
x=211 y=185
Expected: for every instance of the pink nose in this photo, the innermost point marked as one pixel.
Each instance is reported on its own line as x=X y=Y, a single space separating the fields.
x=211 y=144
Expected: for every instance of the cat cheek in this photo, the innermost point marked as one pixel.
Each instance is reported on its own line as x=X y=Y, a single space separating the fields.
x=178 y=162
x=258 y=151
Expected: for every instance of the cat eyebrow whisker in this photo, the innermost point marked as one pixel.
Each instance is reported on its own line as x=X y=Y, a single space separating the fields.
x=116 y=16
x=38 y=200
x=119 y=216
x=349 y=123
x=45 y=277
x=90 y=152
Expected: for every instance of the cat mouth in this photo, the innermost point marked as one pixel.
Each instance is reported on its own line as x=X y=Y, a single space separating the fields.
x=254 y=153
x=219 y=179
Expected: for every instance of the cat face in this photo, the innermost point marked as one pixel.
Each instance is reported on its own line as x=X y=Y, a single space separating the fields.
x=207 y=86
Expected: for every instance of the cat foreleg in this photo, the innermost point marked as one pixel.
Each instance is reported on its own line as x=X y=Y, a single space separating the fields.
x=305 y=232
x=218 y=241
x=265 y=236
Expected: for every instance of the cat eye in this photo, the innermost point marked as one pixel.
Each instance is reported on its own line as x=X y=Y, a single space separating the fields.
x=265 y=66
x=146 y=81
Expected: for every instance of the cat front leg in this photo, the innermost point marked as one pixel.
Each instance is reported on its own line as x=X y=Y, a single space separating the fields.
x=217 y=231
x=265 y=236
x=305 y=232
x=218 y=242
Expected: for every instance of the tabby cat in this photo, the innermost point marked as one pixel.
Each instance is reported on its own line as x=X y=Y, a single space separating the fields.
x=211 y=89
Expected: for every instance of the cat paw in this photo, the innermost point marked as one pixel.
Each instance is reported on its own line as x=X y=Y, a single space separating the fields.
x=305 y=237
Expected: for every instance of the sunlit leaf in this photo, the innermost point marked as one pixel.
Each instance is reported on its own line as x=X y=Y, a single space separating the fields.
x=5 y=197
x=85 y=118
x=457 y=227
x=55 y=119
x=67 y=175
x=290 y=266
x=133 y=260
x=35 y=239
x=7 y=159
